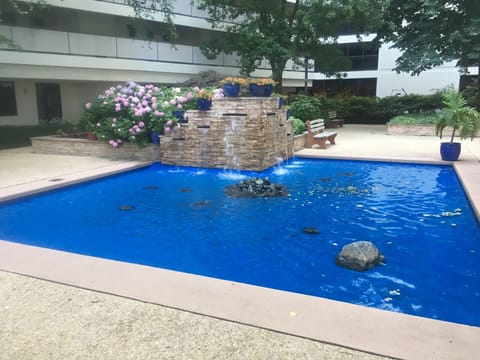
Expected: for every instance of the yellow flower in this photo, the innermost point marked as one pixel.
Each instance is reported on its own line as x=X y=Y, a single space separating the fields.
x=263 y=81
x=205 y=94
x=230 y=80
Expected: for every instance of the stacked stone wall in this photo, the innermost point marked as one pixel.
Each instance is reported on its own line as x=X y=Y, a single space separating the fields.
x=83 y=147
x=237 y=133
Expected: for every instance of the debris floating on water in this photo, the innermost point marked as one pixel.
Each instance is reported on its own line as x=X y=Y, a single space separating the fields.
x=126 y=207
x=310 y=230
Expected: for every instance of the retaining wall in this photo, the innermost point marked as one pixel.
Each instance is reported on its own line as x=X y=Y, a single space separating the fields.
x=83 y=147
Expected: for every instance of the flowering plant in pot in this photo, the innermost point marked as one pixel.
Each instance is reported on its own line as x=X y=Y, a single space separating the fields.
x=261 y=86
x=233 y=80
x=263 y=81
x=204 y=99
x=232 y=85
x=461 y=118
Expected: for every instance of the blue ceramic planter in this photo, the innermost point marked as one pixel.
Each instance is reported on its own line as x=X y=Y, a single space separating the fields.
x=155 y=137
x=204 y=104
x=230 y=90
x=255 y=90
x=267 y=90
x=180 y=115
x=260 y=90
x=450 y=151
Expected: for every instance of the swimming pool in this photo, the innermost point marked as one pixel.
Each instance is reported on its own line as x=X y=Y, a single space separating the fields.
x=182 y=220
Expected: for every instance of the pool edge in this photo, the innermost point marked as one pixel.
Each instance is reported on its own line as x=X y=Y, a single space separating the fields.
x=35 y=187
x=353 y=326
x=454 y=341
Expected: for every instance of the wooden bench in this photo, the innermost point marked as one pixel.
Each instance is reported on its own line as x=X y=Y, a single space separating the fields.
x=333 y=121
x=317 y=135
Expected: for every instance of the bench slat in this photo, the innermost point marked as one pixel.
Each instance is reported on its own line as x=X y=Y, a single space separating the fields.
x=325 y=134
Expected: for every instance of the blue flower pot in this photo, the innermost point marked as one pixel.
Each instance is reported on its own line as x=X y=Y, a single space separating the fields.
x=260 y=90
x=230 y=90
x=204 y=104
x=450 y=151
x=267 y=90
x=155 y=137
x=255 y=90
x=180 y=115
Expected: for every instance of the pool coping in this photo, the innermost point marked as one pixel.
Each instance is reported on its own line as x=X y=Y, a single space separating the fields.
x=57 y=182
x=352 y=326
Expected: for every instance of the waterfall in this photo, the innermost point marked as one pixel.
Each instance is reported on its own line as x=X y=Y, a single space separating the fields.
x=203 y=146
x=233 y=140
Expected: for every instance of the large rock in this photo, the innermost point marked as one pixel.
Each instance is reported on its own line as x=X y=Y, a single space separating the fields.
x=359 y=256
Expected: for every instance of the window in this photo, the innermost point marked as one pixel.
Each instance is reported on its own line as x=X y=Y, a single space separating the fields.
x=466 y=80
x=8 y=101
x=350 y=87
x=362 y=56
x=132 y=32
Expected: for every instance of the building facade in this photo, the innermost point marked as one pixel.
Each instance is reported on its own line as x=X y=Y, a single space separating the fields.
x=70 y=51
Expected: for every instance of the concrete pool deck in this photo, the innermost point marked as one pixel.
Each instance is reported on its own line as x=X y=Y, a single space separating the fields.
x=43 y=319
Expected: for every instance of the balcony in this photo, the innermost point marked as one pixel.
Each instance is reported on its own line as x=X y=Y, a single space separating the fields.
x=68 y=43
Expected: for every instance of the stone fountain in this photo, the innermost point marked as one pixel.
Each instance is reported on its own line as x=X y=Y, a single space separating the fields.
x=247 y=133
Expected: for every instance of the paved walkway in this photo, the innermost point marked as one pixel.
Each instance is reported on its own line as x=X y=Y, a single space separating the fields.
x=46 y=320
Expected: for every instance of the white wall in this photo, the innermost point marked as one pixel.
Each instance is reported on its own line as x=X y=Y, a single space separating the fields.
x=76 y=94
x=26 y=105
x=428 y=82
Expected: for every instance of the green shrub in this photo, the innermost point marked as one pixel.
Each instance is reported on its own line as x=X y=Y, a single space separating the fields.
x=371 y=110
x=298 y=125
x=391 y=106
x=354 y=109
x=427 y=118
x=306 y=107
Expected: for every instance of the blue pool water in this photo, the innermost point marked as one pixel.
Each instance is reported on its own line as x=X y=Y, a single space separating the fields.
x=417 y=215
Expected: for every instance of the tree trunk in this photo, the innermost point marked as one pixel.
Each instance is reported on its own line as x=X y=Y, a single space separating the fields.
x=477 y=97
x=453 y=135
x=277 y=75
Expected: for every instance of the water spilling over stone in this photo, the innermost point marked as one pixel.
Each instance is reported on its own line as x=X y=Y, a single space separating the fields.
x=237 y=133
x=256 y=187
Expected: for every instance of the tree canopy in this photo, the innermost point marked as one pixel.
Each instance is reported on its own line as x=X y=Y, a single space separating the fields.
x=281 y=30
x=275 y=30
x=431 y=32
x=16 y=7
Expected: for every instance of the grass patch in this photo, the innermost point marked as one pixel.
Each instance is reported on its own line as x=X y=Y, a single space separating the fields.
x=18 y=136
x=425 y=118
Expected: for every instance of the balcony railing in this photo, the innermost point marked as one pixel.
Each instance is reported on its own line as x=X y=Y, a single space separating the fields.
x=180 y=7
x=69 y=43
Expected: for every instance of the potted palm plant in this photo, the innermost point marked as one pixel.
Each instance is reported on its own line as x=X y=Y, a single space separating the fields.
x=461 y=118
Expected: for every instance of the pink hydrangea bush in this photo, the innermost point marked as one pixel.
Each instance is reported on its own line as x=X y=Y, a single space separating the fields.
x=131 y=112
